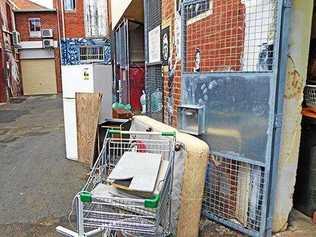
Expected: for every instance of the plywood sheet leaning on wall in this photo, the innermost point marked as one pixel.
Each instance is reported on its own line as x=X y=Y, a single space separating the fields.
x=87 y=111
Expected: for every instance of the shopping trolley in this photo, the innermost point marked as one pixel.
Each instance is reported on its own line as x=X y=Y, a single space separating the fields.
x=117 y=214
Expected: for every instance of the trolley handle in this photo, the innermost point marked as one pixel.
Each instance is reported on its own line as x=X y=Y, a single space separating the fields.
x=153 y=202
x=164 y=134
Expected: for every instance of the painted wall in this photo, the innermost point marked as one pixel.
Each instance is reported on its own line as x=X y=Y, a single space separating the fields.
x=70 y=49
x=299 y=39
x=48 y=21
x=117 y=10
x=96 y=18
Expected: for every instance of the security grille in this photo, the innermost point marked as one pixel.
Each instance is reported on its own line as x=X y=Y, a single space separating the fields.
x=231 y=54
x=240 y=35
x=153 y=76
x=234 y=192
x=121 y=45
x=89 y=54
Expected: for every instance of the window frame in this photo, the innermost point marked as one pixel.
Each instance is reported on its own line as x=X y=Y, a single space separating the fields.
x=203 y=14
x=72 y=9
x=35 y=33
x=89 y=56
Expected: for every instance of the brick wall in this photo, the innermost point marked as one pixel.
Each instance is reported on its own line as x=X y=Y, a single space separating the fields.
x=3 y=96
x=8 y=55
x=48 y=21
x=219 y=36
x=73 y=20
x=167 y=17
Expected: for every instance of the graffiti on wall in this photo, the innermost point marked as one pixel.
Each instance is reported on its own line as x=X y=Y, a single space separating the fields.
x=13 y=76
x=72 y=50
x=10 y=68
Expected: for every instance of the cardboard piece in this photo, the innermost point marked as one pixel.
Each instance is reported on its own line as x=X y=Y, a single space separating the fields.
x=136 y=172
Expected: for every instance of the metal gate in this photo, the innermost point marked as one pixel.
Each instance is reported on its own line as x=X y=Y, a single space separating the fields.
x=233 y=64
x=153 y=75
x=121 y=63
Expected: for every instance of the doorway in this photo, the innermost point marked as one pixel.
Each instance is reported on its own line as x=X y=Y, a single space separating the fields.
x=304 y=198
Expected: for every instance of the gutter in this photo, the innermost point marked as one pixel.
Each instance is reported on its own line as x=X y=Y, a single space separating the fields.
x=35 y=10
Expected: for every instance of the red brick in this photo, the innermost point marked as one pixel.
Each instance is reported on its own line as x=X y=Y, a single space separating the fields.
x=219 y=36
x=48 y=21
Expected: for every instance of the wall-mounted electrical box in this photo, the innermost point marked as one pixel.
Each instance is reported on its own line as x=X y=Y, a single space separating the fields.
x=191 y=119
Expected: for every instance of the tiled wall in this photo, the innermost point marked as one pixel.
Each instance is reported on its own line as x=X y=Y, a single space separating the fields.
x=71 y=49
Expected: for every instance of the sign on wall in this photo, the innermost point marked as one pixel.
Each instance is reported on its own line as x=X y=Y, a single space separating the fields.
x=154 y=45
x=165 y=45
x=177 y=31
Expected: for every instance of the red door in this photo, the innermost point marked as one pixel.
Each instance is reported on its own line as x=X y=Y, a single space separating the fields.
x=137 y=82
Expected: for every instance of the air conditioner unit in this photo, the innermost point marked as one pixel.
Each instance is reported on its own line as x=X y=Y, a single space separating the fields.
x=48 y=43
x=16 y=38
x=47 y=33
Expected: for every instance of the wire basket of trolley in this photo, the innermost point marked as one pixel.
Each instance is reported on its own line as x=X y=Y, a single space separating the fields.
x=129 y=189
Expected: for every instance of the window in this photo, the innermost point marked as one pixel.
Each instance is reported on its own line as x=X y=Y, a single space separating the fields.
x=91 y=53
x=35 y=27
x=69 y=5
x=199 y=10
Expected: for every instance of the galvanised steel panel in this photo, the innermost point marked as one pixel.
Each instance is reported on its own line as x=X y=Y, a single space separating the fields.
x=237 y=111
x=233 y=62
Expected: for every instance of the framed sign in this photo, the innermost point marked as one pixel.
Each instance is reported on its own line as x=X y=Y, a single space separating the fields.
x=154 y=45
x=165 y=45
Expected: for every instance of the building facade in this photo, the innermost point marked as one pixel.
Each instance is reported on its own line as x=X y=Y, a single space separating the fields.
x=39 y=49
x=84 y=31
x=72 y=32
x=10 y=82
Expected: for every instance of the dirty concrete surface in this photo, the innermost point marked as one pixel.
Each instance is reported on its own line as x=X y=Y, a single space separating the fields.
x=37 y=182
x=299 y=225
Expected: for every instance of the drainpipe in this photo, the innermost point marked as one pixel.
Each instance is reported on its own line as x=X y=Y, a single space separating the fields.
x=58 y=21
x=63 y=17
x=4 y=63
x=59 y=43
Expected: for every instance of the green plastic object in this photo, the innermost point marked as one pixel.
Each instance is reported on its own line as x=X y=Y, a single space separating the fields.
x=115 y=131
x=152 y=202
x=117 y=105
x=168 y=134
x=85 y=197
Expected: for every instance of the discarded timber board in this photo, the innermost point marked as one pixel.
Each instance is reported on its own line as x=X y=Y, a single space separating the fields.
x=88 y=107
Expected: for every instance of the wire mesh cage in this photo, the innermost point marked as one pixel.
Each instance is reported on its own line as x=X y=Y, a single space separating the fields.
x=229 y=35
x=234 y=192
x=153 y=75
x=222 y=40
x=310 y=95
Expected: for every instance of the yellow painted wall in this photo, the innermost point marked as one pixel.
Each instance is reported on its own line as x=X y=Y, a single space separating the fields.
x=38 y=76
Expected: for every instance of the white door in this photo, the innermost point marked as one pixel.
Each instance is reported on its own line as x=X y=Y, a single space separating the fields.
x=70 y=128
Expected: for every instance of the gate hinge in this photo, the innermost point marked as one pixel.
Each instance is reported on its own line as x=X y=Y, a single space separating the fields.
x=278 y=120
x=287 y=3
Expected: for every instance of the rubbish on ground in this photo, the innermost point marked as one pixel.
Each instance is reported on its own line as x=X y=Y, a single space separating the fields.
x=101 y=205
